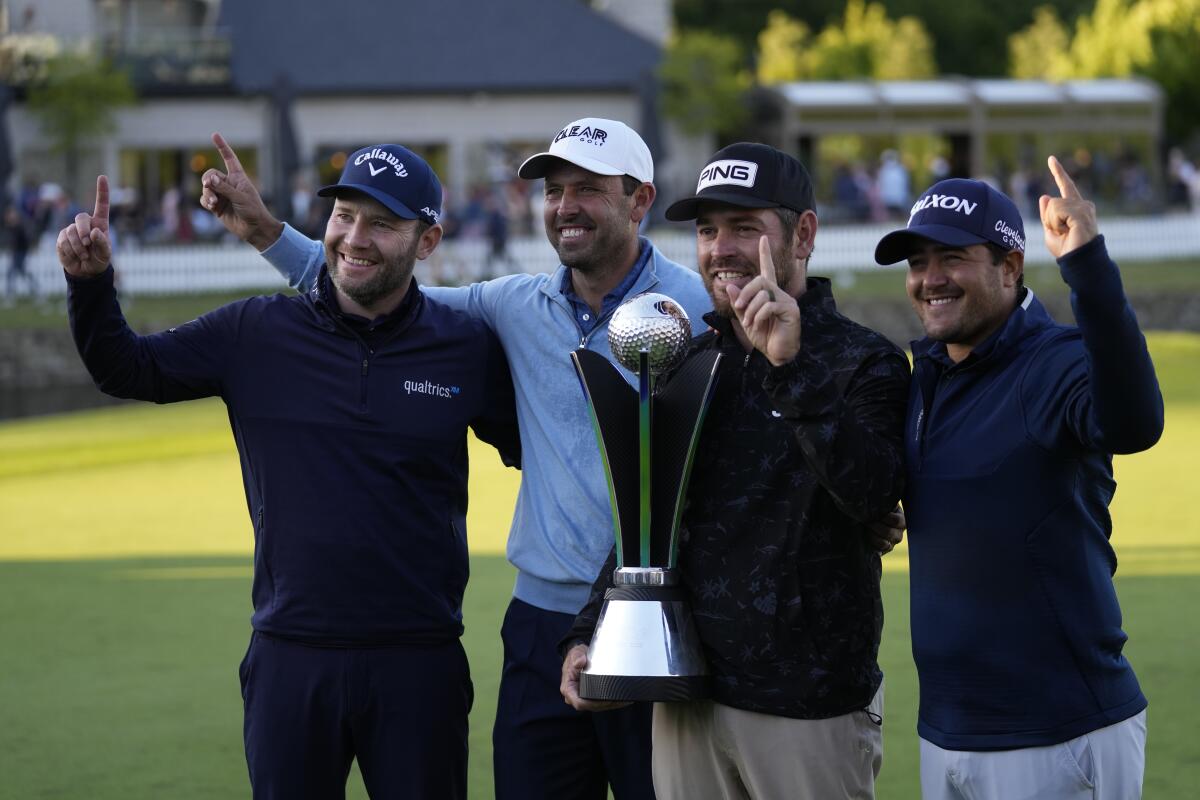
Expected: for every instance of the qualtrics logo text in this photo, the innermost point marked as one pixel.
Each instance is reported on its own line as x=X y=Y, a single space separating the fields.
x=430 y=388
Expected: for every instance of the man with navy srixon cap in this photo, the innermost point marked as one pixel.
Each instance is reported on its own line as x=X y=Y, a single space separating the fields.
x=349 y=406
x=800 y=454
x=598 y=188
x=1012 y=423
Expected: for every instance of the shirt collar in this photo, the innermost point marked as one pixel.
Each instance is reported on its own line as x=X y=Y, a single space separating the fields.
x=583 y=313
x=1028 y=312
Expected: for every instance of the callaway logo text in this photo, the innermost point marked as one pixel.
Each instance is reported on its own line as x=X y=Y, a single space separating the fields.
x=430 y=388
x=383 y=155
x=946 y=201
x=728 y=172
x=584 y=133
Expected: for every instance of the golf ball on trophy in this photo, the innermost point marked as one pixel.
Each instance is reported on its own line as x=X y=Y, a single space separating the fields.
x=651 y=322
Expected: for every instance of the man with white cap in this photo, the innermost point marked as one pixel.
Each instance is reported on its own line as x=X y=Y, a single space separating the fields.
x=598 y=188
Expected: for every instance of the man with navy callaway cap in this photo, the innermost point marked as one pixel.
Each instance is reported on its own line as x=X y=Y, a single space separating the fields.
x=1012 y=423
x=597 y=189
x=350 y=406
x=396 y=177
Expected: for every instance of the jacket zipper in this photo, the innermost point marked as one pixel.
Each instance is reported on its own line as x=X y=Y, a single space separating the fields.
x=366 y=367
x=366 y=352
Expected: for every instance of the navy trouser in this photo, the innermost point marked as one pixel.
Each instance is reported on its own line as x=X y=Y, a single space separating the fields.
x=542 y=748
x=402 y=711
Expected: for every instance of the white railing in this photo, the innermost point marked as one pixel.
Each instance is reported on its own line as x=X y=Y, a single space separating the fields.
x=236 y=267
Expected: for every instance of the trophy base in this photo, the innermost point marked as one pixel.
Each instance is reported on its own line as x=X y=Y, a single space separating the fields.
x=637 y=688
x=645 y=647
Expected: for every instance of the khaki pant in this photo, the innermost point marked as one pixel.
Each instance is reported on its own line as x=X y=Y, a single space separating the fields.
x=706 y=750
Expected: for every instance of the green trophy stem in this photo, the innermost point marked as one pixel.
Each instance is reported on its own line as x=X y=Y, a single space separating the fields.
x=645 y=392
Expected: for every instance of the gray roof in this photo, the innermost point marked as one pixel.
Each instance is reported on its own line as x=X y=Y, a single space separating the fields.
x=959 y=92
x=443 y=46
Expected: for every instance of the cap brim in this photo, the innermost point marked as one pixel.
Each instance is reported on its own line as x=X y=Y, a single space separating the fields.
x=689 y=207
x=389 y=202
x=899 y=245
x=537 y=166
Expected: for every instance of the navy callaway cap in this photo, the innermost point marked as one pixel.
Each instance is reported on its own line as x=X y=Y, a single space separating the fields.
x=959 y=213
x=749 y=175
x=396 y=177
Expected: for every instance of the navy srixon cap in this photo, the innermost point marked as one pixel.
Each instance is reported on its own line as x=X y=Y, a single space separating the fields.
x=396 y=177
x=959 y=213
x=749 y=175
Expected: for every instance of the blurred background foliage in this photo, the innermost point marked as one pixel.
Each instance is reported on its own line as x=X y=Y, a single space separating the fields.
x=786 y=40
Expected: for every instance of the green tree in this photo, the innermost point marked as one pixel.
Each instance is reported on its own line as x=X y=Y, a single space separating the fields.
x=704 y=83
x=1111 y=40
x=970 y=36
x=75 y=100
x=1176 y=67
x=1040 y=50
x=780 y=46
x=1158 y=39
x=864 y=43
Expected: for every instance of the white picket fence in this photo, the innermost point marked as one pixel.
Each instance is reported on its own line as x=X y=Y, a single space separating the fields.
x=237 y=267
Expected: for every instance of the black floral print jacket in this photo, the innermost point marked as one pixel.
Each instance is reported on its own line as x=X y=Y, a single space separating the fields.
x=792 y=464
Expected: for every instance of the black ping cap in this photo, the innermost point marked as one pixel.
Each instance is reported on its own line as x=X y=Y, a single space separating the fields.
x=749 y=175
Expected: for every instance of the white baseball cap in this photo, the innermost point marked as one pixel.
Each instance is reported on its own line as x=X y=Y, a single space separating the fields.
x=603 y=146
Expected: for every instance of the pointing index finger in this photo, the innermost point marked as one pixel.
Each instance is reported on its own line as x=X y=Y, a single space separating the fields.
x=766 y=264
x=100 y=213
x=232 y=164
x=1066 y=186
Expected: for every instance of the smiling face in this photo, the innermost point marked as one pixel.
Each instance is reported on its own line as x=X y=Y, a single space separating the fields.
x=371 y=252
x=590 y=221
x=727 y=250
x=960 y=294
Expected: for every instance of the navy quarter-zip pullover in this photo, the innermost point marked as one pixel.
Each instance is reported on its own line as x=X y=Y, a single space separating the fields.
x=1016 y=630
x=353 y=446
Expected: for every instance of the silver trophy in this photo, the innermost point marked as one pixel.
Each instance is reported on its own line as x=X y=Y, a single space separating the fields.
x=645 y=646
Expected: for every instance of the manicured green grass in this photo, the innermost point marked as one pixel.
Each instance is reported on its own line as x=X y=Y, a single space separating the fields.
x=125 y=584
x=137 y=479
x=120 y=678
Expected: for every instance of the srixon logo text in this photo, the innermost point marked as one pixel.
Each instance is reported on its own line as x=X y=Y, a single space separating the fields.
x=946 y=201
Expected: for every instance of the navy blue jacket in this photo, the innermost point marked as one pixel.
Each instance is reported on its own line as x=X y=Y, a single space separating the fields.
x=352 y=438
x=1016 y=629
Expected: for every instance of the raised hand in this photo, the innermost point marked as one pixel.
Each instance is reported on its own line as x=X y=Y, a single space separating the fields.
x=769 y=316
x=1069 y=221
x=234 y=200
x=83 y=247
